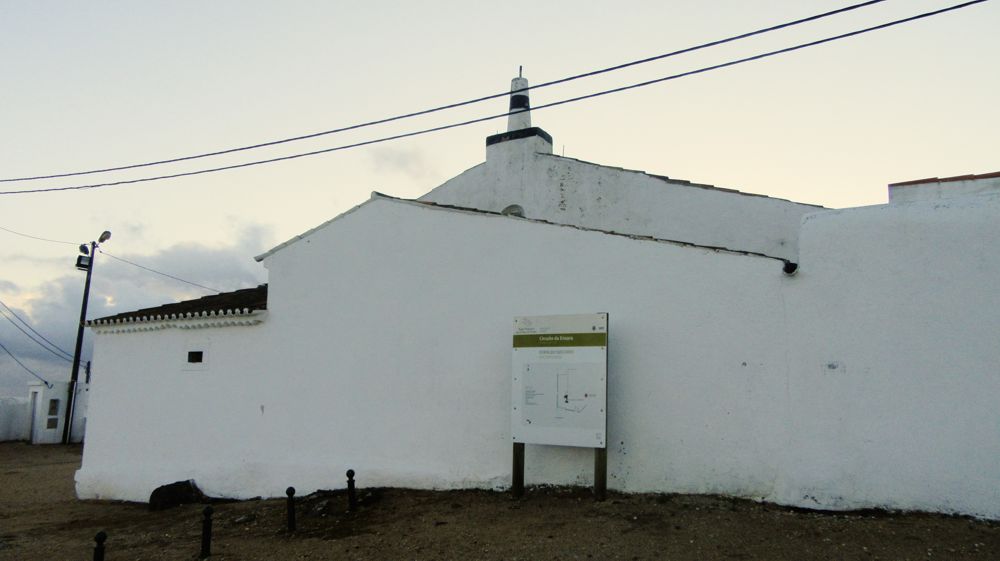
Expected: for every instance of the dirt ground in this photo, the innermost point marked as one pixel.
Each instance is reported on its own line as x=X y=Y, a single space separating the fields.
x=40 y=519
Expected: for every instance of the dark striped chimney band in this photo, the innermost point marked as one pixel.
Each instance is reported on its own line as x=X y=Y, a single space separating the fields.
x=519 y=101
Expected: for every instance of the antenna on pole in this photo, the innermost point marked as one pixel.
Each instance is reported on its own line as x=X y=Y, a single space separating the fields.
x=520 y=69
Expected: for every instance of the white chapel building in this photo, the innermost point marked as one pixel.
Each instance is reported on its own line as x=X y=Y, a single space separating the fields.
x=758 y=347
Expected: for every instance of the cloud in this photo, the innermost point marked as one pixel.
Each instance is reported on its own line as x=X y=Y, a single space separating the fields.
x=7 y=286
x=410 y=162
x=54 y=308
x=35 y=260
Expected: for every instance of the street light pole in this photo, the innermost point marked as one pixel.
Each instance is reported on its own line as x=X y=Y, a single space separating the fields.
x=74 y=374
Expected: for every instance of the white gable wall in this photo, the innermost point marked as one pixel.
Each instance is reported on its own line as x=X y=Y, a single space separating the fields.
x=411 y=308
x=567 y=191
x=386 y=349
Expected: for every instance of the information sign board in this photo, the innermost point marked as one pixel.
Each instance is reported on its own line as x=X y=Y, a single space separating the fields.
x=560 y=380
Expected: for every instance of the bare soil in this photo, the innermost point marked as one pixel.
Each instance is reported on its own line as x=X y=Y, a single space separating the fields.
x=40 y=519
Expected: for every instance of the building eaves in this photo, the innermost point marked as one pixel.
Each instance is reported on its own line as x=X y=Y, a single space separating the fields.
x=235 y=303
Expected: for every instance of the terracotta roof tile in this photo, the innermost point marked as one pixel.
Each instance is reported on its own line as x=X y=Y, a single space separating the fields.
x=248 y=298
x=969 y=177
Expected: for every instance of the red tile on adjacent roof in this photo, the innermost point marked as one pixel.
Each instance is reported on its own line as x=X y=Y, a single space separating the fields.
x=969 y=177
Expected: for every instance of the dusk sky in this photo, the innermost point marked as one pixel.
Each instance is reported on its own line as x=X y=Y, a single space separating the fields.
x=101 y=84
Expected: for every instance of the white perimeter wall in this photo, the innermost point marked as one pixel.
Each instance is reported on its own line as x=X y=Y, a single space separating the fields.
x=868 y=379
x=155 y=419
x=568 y=191
x=896 y=361
x=15 y=418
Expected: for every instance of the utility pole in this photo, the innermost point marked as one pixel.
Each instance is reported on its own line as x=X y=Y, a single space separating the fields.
x=85 y=260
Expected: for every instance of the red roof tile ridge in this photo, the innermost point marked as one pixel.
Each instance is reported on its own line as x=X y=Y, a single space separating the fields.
x=967 y=177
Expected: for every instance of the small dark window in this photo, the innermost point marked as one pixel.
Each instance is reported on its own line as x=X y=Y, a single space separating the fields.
x=196 y=356
x=52 y=423
x=53 y=407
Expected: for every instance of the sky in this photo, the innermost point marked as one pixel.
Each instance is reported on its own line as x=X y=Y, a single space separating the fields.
x=102 y=83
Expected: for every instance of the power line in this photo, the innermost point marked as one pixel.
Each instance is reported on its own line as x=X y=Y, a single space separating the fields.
x=105 y=253
x=30 y=371
x=35 y=237
x=26 y=324
x=497 y=116
x=456 y=104
x=67 y=357
x=159 y=272
x=36 y=341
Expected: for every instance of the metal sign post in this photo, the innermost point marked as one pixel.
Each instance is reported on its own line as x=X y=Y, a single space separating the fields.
x=559 y=388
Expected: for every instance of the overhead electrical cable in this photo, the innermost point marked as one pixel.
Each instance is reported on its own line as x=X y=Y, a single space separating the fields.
x=28 y=325
x=55 y=349
x=34 y=237
x=30 y=371
x=499 y=115
x=105 y=253
x=453 y=105
x=36 y=341
x=151 y=270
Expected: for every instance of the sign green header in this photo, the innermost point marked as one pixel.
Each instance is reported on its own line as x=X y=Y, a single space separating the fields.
x=561 y=340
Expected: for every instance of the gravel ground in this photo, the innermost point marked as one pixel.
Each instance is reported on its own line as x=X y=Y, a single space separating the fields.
x=40 y=519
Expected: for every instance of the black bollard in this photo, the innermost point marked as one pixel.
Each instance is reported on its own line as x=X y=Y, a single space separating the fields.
x=352 y=495
x=206 y=534
x=291 y=508
x=100 y=538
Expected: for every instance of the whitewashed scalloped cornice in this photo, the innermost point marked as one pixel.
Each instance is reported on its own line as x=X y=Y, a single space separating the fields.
x=197 y=320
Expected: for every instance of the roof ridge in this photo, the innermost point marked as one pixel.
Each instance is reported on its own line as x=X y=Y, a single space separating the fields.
x=685 y=182
x=638 y=237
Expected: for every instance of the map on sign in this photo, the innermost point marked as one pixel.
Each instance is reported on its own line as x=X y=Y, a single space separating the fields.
x=559 y=375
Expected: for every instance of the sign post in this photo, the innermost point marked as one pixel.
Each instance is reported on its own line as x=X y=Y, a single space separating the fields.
x=559 y=388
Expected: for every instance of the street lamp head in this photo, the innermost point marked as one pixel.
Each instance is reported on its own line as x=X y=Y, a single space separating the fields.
x=105 y=236
x=84 y=250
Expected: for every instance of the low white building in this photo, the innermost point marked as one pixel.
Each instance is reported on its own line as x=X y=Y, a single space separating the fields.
x=40 y=417
x=758 y=347
x=15 y=418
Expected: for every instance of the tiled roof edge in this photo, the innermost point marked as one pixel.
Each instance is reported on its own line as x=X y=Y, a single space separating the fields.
x=112 y=320
x=234 y=303
x=969 y=177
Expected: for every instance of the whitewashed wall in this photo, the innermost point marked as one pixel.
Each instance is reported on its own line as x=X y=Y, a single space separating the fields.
x=868 y=379
x=931 y=189
x=80 y=407
x=387 y=350
x=15 y=418
x=568 y=191
x=40 y=433
x=895 y=373
x=154 y=418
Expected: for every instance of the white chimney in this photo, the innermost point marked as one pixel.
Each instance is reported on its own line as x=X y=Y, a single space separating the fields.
x=520 y=139
x=519 y=104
